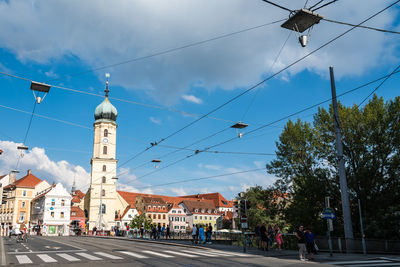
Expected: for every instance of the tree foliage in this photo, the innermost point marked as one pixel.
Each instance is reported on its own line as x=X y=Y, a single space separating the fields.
x=141 y=220
x=306 y=167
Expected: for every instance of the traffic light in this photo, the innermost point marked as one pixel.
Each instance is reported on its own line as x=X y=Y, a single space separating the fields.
x=236 y=206
x=248 y=205
x=243 y=207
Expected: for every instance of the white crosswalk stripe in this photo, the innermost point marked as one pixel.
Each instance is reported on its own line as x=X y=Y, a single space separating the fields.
x=202 y=253
x=88 y=256
x=133 y=254
x=106 y=255
x=46 y=258
x=356 y=262
x=23 y=259
x=181 y=254
x=375 y=265
x=157 y=254
x=366 y=263
x=68 y=257
x=228 y=253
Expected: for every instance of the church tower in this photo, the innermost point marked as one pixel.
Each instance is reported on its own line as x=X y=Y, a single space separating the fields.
x=101 y=198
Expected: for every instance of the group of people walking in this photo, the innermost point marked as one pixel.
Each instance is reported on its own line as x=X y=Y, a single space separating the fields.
x=266 y=236
x=158 y=231
x=306 y=242
x=201 y=234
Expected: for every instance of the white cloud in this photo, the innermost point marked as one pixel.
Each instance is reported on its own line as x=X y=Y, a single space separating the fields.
x=213 y=167
x=155 y=120
x=51 y=74
x=179 y=191
x=43 y=167
x=41 y=31
x=193 y=99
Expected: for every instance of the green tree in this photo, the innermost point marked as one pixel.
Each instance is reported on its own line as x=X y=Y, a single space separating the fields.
x=141 y=220
x=306 y=165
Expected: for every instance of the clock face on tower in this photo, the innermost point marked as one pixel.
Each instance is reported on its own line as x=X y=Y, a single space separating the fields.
x=105 y=140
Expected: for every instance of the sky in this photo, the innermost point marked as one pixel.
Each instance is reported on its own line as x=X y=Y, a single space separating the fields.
x=158 y=89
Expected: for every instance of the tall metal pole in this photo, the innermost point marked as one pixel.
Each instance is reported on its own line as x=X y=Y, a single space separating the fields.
x=348 y=228
x=362 y=229
x=328 y=223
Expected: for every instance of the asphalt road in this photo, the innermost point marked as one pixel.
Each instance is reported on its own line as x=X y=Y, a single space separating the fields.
x=89 y=251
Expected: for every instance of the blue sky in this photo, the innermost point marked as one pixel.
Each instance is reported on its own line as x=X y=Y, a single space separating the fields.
x=51 y=41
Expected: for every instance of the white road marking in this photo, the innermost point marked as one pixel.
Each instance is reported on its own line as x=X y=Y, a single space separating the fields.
x=180 y=254
x=355 y=262
x=133 y=254
x=88 y=256
x=228 y=253
x=68 y=257
x=23 y=259
x=46 y=258
x=51 y=251
x=113 y=257
x=157 y=254
x=375 y=265
x=201 y=253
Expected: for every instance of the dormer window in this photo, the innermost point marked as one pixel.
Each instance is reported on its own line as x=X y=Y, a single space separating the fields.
x=105 y=133
x=215 y=211
x=202 y=211
x=196 y=210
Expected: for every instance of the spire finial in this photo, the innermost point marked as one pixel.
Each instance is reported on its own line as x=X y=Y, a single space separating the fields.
x=107 y=76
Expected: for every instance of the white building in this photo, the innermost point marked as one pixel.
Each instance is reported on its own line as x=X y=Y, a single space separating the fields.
x=124 y=220
x=51 y=211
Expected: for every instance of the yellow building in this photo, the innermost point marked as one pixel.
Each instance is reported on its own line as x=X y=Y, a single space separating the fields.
x=19 y=194
x=201 y=212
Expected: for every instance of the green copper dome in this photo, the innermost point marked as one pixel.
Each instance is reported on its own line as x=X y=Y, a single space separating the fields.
x=105 y=111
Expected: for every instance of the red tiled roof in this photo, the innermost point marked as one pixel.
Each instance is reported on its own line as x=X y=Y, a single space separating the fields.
x=217 y=198
x=78 y=212
x=28 y=181
x=79 y=194
x=198 y=204
x=76 y=199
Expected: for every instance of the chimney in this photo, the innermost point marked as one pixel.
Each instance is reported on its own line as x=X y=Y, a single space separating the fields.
x=29 y=172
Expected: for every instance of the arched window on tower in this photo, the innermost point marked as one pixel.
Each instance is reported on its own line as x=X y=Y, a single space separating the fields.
x=104 y=168
x=105 y=133
x=104 y=150
x=103 y=193
x=104 y=179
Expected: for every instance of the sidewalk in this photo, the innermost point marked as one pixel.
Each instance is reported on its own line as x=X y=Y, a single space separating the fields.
x=322 y=257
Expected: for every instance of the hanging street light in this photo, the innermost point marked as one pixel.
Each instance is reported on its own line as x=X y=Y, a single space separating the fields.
x=39 y=87
x=239 y=125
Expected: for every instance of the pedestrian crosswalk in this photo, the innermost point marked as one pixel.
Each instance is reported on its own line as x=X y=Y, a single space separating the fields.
x=33 y=258
x=384 y=262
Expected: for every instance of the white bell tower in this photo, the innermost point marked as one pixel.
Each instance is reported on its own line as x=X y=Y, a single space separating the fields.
x=101 y=198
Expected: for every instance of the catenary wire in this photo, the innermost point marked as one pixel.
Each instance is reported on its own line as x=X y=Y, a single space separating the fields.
x=331 y=2
x=170 y=50
x=281 y=7
x=266 y=125
x=360 y=26
x=375 y=89
x=203 y=178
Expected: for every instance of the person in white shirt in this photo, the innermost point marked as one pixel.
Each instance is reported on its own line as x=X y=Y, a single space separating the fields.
x=194 y=231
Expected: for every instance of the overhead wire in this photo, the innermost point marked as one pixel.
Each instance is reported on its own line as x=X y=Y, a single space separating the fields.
x=281 y=7
x=360 y=26
x=327 y=4
x=266 y=125
x=170 y=50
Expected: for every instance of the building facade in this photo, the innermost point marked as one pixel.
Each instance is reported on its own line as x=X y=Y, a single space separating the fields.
x=51 y=211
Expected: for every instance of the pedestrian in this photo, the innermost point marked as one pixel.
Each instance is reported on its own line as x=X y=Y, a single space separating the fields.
x=279 y=240
x=310 y=244
x=257 y=235
x=163 y=230
x=201 y=235
x=154 y=231
x=194 y=231
x=209 y=234
x=141 y=231
x=270 y=233
x=168 y=233
x=95 y=230
x=264 y=236
x=158 y=230
x=10 y=231
x=197 y=234
x=301 y=242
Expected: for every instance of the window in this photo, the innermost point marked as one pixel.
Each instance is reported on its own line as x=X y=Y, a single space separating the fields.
x=171 y=219
x=177 y=219
x=184 y=219
x=179 y=211
x=149 y=216
x=173 y=211
x=159 y=216
x=103 y=193
x=183 y=227
x=22 y=216
x=176 y=227
x=184 y=210
x=104 y=150
x=104 y=180
x=196 y=210
x=154 y=216
x=73 y=213
x=62 y=215
x=103 y=208
x=53 y=202
x=163 y=216
x=195 y=217
x=24 y=193
x=23 y=204
x=201 y=217
x=205 y=217
x=62 y=203
x=52 y=214
x=105 y=133
x=104 y=168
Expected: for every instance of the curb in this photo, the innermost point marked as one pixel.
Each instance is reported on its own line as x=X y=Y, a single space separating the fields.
x=147 y=241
